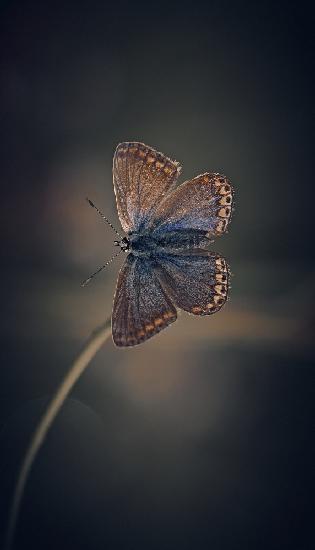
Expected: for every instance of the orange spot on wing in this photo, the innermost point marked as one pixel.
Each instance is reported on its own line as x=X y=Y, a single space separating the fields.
x=150 y=159
x=218 y=300
x=224 y=212
x=168 y=314
x=225 y=200
x=168 y=170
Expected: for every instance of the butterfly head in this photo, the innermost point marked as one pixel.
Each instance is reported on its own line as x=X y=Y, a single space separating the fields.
x=124 y=244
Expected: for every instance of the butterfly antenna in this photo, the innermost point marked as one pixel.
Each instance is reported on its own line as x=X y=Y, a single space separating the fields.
x=104 y=217
x=87 y=281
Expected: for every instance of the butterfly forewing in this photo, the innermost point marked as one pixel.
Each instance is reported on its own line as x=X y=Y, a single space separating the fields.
x=197 y=281
x=141 y=306
x=142 y=177
x=203 y=203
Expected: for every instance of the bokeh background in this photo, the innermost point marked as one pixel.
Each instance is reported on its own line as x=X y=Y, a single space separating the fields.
x=203 y=437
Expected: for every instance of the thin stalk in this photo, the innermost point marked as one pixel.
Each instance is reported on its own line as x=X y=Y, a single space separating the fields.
x=95 y=342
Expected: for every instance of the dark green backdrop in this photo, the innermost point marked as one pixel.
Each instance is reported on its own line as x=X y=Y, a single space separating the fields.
x=201 y=438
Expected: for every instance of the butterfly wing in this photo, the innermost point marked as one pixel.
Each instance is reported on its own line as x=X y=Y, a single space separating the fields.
x=197 y=281
x=142 y=177
x=141 y=306
x=204 y=203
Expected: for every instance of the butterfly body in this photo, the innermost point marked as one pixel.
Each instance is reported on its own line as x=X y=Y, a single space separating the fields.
x=150 y=244
x=168 y=228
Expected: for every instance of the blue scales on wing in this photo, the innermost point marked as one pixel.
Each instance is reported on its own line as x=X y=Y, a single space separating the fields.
x=197 y=281
x=203 y=204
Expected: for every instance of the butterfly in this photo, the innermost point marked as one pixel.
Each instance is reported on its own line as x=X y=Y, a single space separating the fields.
x=168 y=228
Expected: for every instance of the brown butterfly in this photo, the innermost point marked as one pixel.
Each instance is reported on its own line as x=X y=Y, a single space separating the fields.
x=168 y=228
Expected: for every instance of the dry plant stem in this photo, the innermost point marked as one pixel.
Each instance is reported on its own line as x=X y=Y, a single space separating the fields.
x=96 y=340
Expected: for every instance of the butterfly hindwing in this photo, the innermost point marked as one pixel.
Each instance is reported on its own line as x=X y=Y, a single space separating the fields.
x=142 y=177
x=197 y=281
x=141 y=306
x=204 y=203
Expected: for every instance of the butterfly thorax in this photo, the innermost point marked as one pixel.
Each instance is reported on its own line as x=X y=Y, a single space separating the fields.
x=142 y=244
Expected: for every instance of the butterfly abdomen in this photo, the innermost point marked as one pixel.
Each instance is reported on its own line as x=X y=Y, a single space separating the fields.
x=182 y=240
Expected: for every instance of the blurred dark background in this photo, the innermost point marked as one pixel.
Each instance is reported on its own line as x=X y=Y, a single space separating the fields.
x=203 y=437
